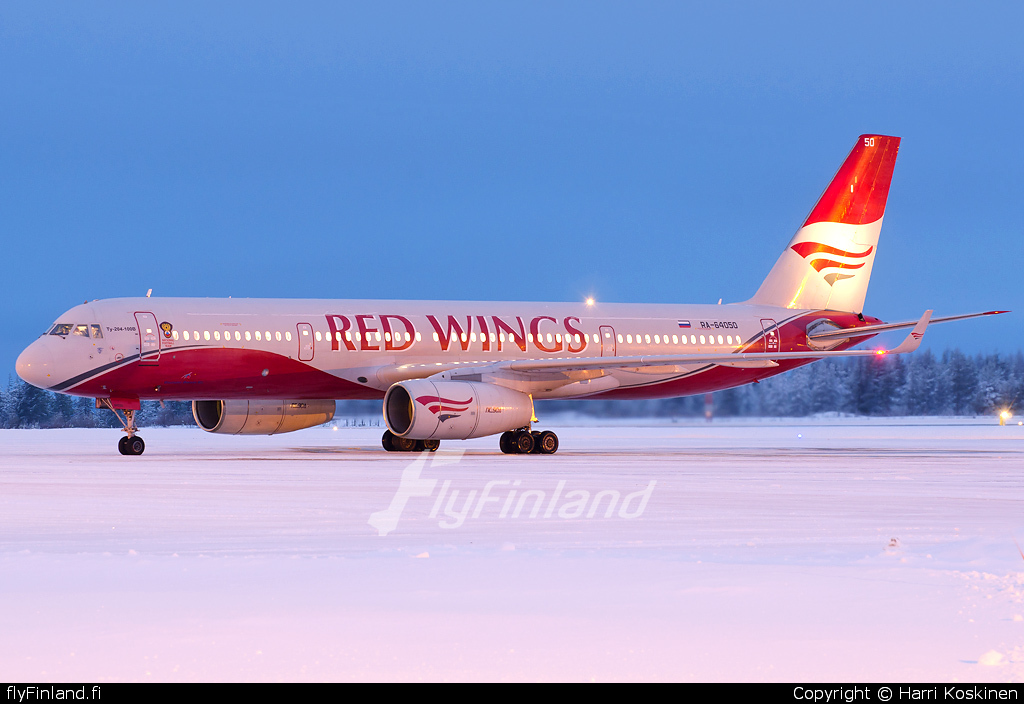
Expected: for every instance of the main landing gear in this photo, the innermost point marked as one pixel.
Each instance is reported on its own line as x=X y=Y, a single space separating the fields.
x=130 y=444
x=393 y=443
x=525 y=441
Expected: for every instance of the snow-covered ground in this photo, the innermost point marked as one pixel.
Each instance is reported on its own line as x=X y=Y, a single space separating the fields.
x=837 y=549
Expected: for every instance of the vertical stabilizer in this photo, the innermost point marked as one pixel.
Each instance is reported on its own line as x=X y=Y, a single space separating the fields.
x=828 y=262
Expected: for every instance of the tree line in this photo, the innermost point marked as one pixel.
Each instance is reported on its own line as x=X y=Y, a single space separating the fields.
x=922 y=384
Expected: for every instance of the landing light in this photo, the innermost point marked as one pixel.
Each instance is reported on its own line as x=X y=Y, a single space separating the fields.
x=589 y=301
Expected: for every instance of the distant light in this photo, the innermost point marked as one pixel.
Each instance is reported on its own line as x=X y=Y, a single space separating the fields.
x=590 y=301
x=1006 y=415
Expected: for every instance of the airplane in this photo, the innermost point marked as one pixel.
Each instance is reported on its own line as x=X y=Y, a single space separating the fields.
x=455 y=370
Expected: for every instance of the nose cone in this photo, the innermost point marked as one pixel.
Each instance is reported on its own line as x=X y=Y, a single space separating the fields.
x=36 y=364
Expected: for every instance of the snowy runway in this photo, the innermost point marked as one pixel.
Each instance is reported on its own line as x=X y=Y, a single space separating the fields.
x=853 y=550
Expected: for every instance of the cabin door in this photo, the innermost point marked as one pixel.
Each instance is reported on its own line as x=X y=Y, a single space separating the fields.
x=149 y=338
x=771 y=335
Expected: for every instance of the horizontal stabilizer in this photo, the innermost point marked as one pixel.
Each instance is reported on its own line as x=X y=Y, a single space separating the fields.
x=887 y=327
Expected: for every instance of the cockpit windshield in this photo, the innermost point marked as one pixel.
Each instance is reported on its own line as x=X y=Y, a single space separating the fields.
x=92 y=330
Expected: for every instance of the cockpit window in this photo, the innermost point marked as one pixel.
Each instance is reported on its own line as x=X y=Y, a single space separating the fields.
x=62 y=329
x=82 y=330
x=97 y=332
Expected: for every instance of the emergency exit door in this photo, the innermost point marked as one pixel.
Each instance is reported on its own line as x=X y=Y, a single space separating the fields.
x=305 y=336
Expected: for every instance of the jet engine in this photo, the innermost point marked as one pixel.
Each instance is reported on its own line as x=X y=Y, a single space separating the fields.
x=421 y=409
x=260 y=417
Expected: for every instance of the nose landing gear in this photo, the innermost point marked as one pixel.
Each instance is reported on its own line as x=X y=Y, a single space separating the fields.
x=131 y=444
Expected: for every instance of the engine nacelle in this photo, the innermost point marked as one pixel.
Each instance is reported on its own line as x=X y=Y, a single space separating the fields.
x=421 y=409
x=260 y=417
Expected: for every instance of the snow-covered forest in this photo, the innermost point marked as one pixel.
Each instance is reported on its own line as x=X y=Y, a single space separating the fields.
x=918 y=385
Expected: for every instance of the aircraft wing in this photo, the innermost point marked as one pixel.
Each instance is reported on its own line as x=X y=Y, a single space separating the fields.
x=745 y=359
x=885 y=327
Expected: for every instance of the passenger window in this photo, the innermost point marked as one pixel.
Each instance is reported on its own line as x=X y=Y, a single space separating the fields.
x=216 y=335
x=248 y=337
x=206 y=335
x=82 y=330
x=277 y=335
x=97 y=332
x=174 y=334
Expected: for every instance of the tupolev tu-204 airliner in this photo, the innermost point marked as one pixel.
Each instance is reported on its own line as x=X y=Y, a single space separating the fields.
x=457 y=370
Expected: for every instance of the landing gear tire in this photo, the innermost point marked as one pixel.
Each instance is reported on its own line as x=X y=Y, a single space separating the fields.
x=405 y=444
x=388 y=441
x=548 y=443
x=505 y=443
x=523 y=442
x=431 y=445
x=131 y=446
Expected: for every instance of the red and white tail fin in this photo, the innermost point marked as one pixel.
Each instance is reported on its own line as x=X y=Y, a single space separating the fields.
x=828 y=262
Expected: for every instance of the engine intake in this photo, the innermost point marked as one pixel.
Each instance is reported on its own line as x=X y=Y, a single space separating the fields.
x=260 y=417
x=421 y=409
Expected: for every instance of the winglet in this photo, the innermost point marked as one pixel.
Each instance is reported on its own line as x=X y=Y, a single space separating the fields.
x=913 y=340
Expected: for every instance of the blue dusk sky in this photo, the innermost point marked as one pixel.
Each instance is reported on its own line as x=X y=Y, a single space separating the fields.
x=637 y=152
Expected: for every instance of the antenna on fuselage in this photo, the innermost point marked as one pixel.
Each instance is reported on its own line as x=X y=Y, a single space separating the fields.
x=149 y=293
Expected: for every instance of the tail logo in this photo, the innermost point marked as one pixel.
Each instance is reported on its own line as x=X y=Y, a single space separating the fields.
x=444 y=408
x=818 y=256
